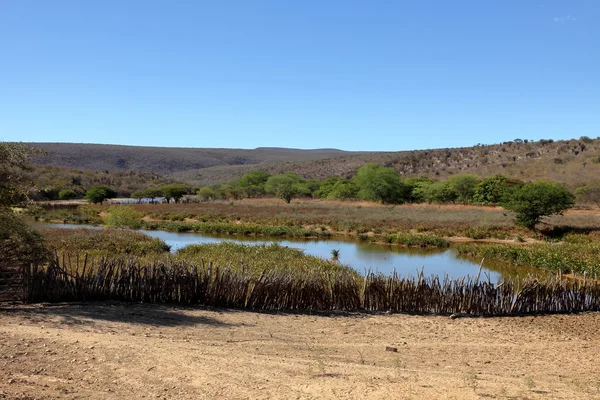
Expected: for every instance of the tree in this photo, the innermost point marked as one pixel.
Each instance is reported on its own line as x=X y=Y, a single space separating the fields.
x=464 y=186
x=175 y=192
x=491 y=191
x=326 y=187
x=256 y=178
x=588 y=194
x=285 y=186
x=19 y=243
x=152 y=193
x=379 y=183
x=97 y=194
x=343 y=190
x=436 y=192
x=14 y=182
x=532 y=201
x=206 y=193
x=67 y=194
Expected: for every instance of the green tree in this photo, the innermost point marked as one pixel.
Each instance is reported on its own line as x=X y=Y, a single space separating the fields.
x=491 y=191
x=343 y=190
x=67 y=194
x=532 y=201
x=256 y=178
x=285 y=186
x=175 y=192
x=98 y=194
x=464 y=186
x=379 y=183
x=206 y=193
x=415 y=186
x=437 y=192
x=152 y=193
x=326 y=187
x=122 y=217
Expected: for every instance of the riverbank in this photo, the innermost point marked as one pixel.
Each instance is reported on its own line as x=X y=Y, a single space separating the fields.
x=129 y=351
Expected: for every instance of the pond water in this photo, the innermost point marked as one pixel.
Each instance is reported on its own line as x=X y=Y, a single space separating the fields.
x=358 y=255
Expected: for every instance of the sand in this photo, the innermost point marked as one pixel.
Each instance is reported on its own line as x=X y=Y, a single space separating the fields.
x=132 y=351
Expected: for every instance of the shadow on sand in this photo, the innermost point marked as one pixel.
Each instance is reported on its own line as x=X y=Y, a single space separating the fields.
x=87 y=313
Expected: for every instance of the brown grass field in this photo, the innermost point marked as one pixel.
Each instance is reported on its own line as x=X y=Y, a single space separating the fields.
x=357 y=217
x=119 y=351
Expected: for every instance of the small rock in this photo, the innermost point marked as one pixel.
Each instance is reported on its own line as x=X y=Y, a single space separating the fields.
x=392 y=349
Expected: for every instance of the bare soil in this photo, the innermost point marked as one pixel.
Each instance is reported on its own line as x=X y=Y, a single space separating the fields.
x=128 y=351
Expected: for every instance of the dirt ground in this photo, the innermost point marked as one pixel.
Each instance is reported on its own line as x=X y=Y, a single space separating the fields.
x=127 y=351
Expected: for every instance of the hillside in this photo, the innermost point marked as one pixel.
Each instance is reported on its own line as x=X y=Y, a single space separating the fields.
x=167 y=160
x=574 y=161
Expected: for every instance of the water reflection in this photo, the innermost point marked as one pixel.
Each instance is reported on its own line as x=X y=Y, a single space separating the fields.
x=359 y=255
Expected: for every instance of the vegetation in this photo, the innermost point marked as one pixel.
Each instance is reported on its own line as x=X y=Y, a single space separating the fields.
x=525 y=161
x=285 y=186
x=122 y=217
x=532 y=201
x=577 y=253
x=256 y=260
x=206 y=283
x=19 y=243
x=78 y=242
x=98 y=194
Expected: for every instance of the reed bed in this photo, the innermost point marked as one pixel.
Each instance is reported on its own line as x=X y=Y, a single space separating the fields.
x=205 y=283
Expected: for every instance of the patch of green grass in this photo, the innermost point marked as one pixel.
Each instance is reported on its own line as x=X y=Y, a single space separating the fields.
x=103 y=242
x=577 y=253
x=256 y=259
x=417 y=240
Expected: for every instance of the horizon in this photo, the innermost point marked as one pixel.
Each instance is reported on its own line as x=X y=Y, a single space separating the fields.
x=337 y=75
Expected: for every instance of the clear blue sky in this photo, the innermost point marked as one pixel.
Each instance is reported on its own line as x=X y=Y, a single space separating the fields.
x=356 y=75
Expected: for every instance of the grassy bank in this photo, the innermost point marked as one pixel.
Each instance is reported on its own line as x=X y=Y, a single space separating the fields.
x=575 y=254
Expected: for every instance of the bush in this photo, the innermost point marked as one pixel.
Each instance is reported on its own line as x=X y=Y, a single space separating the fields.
x=533 y=201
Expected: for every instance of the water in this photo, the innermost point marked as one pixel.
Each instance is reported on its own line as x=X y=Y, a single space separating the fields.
x=358 y=255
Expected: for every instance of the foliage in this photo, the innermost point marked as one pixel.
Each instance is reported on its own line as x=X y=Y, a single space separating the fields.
x=343 y=189
x=379 y=183
x=98 y=194
x=417 y=240
x=14 y=182
x=175 y=192
x=579 y=254
x=491 y=191
x=206 y=193
x=67 y=194
x=122 y=217
x=256 y=178
x=532 y=201
x=285 y=186
x=436 y=192
x=588 y=194
x=103 y=241
x=259 y=259
x=19 y=243
x=464 y=186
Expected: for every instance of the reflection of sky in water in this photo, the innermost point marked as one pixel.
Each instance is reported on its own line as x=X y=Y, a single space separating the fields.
x=358 y=255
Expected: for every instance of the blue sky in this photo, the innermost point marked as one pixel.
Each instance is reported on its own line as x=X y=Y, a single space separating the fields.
x=356 y=75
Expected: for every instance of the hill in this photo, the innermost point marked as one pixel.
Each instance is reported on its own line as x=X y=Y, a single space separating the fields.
x=574 y=161
x=167 y=160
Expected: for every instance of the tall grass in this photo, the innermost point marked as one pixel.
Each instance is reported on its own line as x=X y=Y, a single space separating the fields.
x=256 y=259
x=577 y=253
x=102 y=242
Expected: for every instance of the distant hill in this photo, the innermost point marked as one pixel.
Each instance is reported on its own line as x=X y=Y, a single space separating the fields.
x=167 y=160
x=574 y=162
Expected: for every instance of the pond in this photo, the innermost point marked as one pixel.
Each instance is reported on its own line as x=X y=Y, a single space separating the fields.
x=358 y=255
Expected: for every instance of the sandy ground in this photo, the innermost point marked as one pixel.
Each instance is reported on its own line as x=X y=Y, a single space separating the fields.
x=124 y=351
